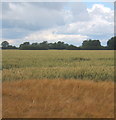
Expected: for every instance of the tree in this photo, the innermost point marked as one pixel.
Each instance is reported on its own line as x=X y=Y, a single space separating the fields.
x=59 y=45
x=91 y=45
x=26 y=43
x=34 y=44
x=72 y=47
x=43 y=45
x=4 y=44
x=24 y=46
x=111 y=43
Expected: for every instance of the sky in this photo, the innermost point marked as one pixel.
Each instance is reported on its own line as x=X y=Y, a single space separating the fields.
x=70 y=22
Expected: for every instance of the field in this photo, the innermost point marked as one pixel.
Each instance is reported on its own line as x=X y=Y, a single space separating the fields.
x=58 y=83
x=88 y=65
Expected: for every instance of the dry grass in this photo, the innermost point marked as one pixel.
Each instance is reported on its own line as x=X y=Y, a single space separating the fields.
x=58 y=99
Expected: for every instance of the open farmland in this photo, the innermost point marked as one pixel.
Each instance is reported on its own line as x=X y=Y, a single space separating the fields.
x=54 y=64
x=58 y=83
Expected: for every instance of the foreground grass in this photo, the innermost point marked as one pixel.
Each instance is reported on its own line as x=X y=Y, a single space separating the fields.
x=97 y=65
x=50 y=84
x=58 y=99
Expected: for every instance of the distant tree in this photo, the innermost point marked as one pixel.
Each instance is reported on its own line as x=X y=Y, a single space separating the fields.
x=111 y=44
x=58 y=45
x=91 y=44
x=26 y=43
x=4 y=44
x=43 y=46
x=86 y=45
x=34 y=44
x=72 y=47
x=11 y=47
x=24 y=46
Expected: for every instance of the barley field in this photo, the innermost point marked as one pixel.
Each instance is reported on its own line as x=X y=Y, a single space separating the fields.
x=57 y=84
x=53 y=64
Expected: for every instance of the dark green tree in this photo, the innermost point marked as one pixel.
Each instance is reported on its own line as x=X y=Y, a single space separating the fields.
x=72 y=47
x=26 y=43
x=4 y=44
x=111 y=44
x=43 y=45
x=34 y=44
x=91 y=45
x=25 y=46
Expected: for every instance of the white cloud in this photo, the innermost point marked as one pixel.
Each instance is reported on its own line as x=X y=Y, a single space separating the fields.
x=52 y=36
x=99 y=26
x=11 y=41
x=99 y=10
x=68 y=22
x=96 y=26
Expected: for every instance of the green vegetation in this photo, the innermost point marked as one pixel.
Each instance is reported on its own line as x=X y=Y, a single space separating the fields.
x=111 y=44
x=54 y=64
x=86 y=45
x=5 y=45
x=91 y=44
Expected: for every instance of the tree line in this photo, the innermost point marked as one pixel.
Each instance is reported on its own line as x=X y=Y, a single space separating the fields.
x=86 y=45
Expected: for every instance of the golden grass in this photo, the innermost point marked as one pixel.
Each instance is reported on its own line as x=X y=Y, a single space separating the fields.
x=58 y=99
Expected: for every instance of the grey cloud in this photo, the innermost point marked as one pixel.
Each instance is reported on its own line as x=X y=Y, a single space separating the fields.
x=50 y=5
x=79 y=11
x=14 y=33
x=26 y=15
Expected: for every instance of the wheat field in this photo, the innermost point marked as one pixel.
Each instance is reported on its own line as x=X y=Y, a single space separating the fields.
x=58 y=84
x=54 y=64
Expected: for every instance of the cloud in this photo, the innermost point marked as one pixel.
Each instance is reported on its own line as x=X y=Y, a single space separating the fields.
x=99 y=10
x=52 y=36
x=100 y=24
x=79 y=12
x=32 y=16
x=50 y=5
x=96 y=26
x=15 y=33
x=68 y=22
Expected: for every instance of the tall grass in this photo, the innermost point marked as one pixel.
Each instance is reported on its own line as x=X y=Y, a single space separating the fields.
x=58 y=99
x=49 y=84
x=53 y=64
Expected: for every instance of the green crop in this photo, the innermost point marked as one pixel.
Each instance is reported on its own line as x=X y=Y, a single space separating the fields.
x=97 y=65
